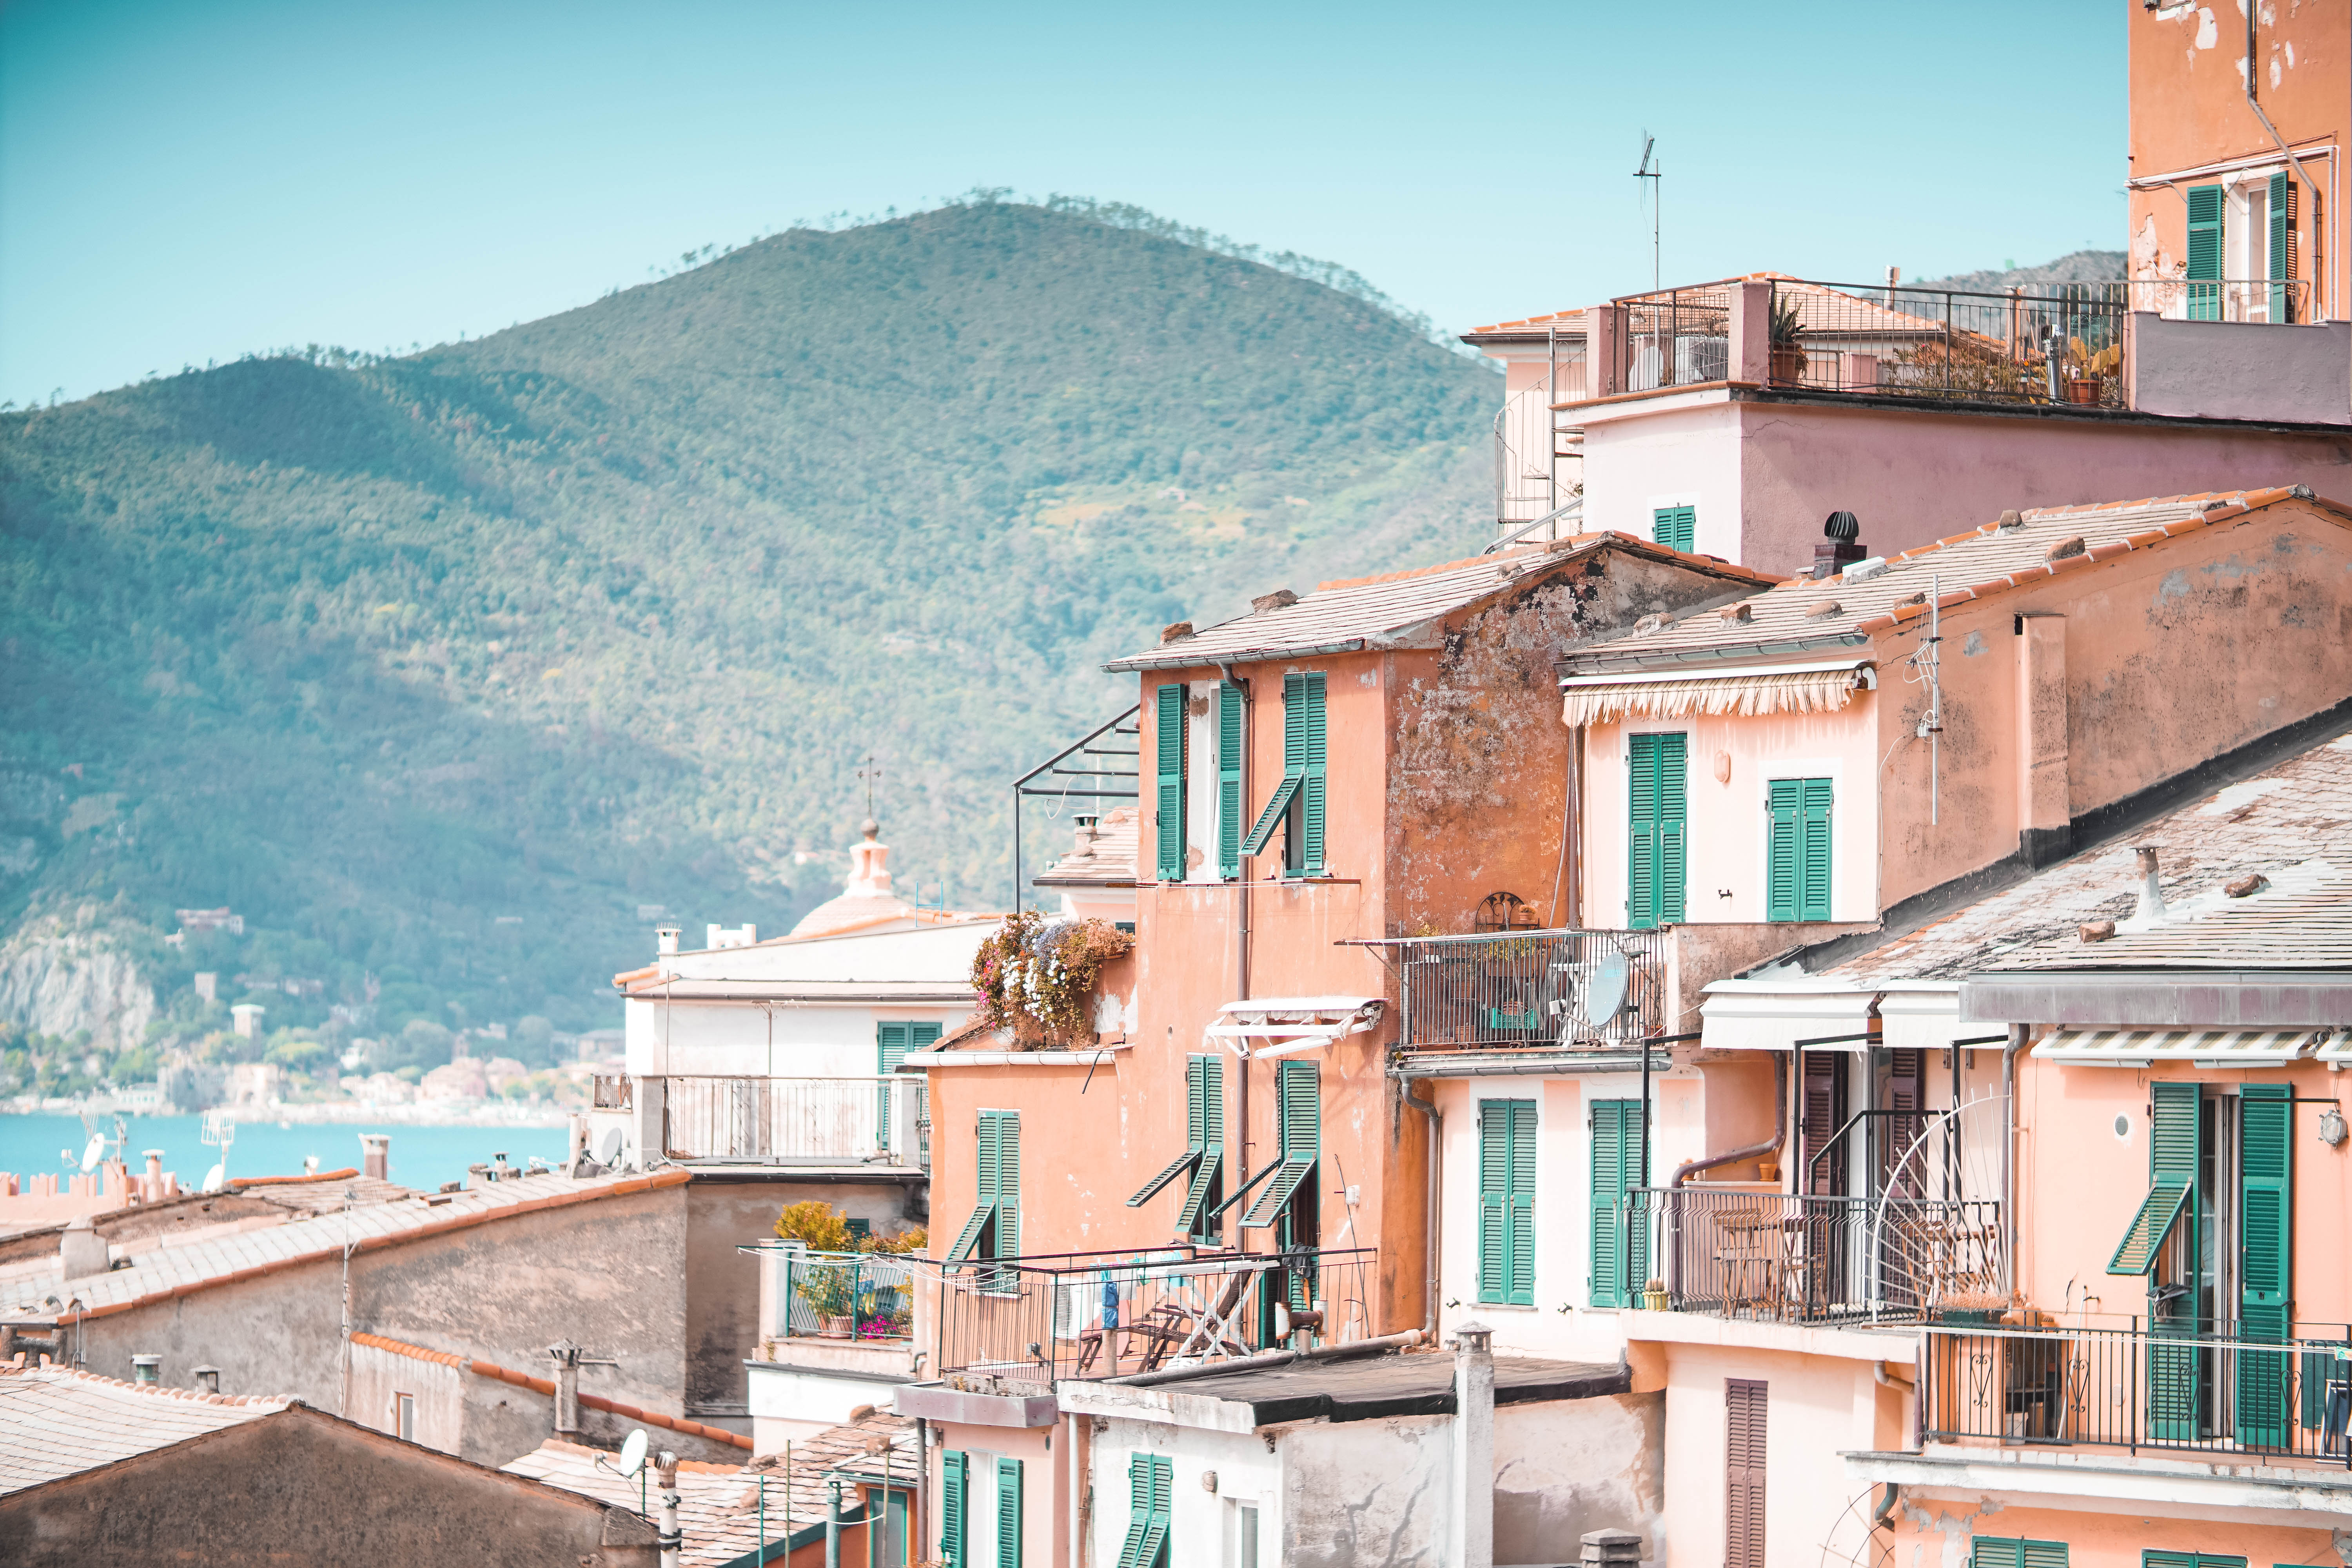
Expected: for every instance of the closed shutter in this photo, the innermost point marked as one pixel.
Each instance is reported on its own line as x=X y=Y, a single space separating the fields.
x=2282 y=247
x=1008 y=1183
x=1167 y=775
x=1658 y=827
x=1674 y=827
x=1797 y=860
x=1620 y=1251
x=2158 y=1559
x=1008 y=1514
x=1906 y=1083
x=1674 y=526
x=2175 y=1150
x=891 y=1044
x=1823 y=1085
x=1506 y=1168
x=1744 y=1403
x=2042 y=1553
x=1305 y=752
x=1229 y=780
x=2265 y=1272
x=1814 y=862
x=2204 y=253
x=953 y=1469
x=1996 y=1551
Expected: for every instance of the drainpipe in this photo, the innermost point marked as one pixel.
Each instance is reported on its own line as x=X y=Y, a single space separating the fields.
x=2009 y=1150
x=1471 y=1522
x=667 y=1540
x=1682 y=1173
x=1076 y=1464
x=2254 y=103
x=832 y=1527
x=1436 y=1216
x=566 y=1356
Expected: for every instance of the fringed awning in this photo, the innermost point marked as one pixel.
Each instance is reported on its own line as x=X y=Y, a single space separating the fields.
x=1801 y=688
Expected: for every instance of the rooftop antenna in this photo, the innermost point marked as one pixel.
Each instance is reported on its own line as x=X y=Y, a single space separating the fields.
x=1653 y=171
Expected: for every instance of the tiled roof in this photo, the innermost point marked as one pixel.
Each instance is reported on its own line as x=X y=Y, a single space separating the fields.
x=1107 y=859
x=1531 y=326
x=545 y=1386
x=55 y=1423
x=167 y=1268
x=690 y=988
x=2271 y=823
x=1396 y=610
x=1979 y=565
x=719 y=1505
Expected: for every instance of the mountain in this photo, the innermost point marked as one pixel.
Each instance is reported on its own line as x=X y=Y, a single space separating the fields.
x=2079 y=267
x=454 y=669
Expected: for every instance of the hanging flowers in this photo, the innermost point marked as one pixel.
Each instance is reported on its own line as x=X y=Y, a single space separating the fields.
x=1038 y=974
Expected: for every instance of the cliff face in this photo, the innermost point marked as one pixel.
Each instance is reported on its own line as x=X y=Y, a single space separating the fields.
x=60 y=978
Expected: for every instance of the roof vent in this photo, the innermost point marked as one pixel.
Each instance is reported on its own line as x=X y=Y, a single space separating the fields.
x=1820 y=608
x=1840 y=546
x=1281 y=598
x=1175 y=631
x=1739 y=612
x=1863 y=570
x=2151 y=892
x=2066 y=548
x=2011 y=521
x=1843 y=525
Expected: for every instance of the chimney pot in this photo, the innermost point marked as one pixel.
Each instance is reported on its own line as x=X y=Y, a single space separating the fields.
x=82 y=1250
x=2151 y=892
x=146 y=1368
x=666 y=940
x=375 y=1156
x=208 y=1379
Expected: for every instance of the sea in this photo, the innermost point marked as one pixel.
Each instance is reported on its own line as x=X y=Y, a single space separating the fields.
x=422 y=1157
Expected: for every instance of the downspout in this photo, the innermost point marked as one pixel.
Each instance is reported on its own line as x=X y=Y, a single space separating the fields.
x=1571 y=869
x=1437 y=1214
x=2254 y=8
x=2009 y=1152
x=1691 y=1168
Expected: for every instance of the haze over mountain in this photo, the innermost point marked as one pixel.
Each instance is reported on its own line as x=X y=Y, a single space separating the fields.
x=450 y=668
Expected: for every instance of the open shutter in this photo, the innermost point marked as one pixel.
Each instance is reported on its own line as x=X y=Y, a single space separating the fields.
x=1823 y=1085
x=2175 y=1148
x=1313 y=758
x=1189 y=1158
x=1298 y=1108
x=1139 y=1510
x=954 y=1466
x=1204 y=1108
x=1008 y=1514
x=1673 y=829
x=2265 y=1273
x=1785 y=802
x=1008 y=1183
x=1620 y=1258
x=1745 y=1412
x=891 y=1044
x=2282 y=247
x=1813 y=883
x=2204 y=253
x=1229 y=780
x=986 y=1151
x=1168 y=776
x=1642 y=822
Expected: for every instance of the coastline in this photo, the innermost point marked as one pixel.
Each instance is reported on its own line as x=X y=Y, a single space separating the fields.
x=325 y=1113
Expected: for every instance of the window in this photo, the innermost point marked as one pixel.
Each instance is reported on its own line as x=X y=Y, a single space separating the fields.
x=1230 y=804
x=2189 y=1560
x=1168 y=776
x=1506 y=1201
x=1299 y=1112
x=859 y=1229
x=1150 y=1486
x=1621 y=1253
x=2282 y=245
x=1799 y=860
x=891 y=1044
x=994 y=1228
x=1743 y=1472
x=1658 y=830
x=2204 y=253
x=1245 y=1553
x=1298 y=801
x=1205 y=1151
x=404 y=1418
x=1994 y=1551
x=1674 y=526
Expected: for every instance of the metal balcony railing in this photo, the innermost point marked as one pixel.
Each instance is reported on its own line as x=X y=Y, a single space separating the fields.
x=2278 y=302
x=1543 y=990
x=1102 y=1314
x=1786 y=1258
x=2222 y=1390
x=861 y=1296
x=790 y=1121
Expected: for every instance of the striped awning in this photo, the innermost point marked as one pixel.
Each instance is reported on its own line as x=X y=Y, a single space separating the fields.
x=1278 y=1025
x=2336 y=1047
x=1820 y=688
x=2197 y=1047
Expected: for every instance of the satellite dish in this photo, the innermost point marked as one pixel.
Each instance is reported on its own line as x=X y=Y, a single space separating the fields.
x=633 y=1452
x=608 y=1146
x=93 y=1152
x=1604 y=998
x=215 y=1179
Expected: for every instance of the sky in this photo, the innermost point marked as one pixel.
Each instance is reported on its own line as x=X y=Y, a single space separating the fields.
x=183 y=184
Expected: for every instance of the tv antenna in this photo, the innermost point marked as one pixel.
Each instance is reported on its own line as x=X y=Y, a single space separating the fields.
x=1651 y=171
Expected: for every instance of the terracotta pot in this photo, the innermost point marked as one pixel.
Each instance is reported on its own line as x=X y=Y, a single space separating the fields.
x=840 y=1328
x=2082 y=389
x=1787 y=363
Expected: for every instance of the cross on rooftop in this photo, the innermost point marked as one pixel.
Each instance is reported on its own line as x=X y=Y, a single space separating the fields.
x=869 y=773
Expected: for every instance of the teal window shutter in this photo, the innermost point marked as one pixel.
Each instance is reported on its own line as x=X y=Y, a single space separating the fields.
x=999 y=1154
x=1150 y=1497
x=988 y=1148
x=2282 y=247
x=1298 y=1111
x=1995 y=1551
x=1008 y=1183
x=1620 y=1261
x=891 y=1044
x=1298 y=801
x=1506 y=1168
x=1813 y=859
x=1230 y=803
x=1008 y=1514
x=2204 y=253
x=1204 y=1111
x=1167 y=775
x=2175 y=1373
x=1658 y=830
x=954 y=1467
x=2265 y=1271
x=1674 y=526
x=1309 y=853
x=1782 y=875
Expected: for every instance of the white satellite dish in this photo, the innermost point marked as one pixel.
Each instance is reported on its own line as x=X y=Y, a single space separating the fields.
x=93 y=1152
x=608 y=1146
x=215 y=1179
x=633 y=1452
x=1604 y=998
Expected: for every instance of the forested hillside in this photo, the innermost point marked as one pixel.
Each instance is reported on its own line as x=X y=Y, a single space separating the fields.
x=440 y=667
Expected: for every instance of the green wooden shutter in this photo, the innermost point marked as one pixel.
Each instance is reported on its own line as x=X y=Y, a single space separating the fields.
x=2204 y=253
x=1674 y=526
x=987 y=1148
x=1298 y=1111
x=1204 y=1107
x=1149 y=1499
x=1163 y=1505
x=1008 y=1514
x=2265 y=1272
x=953 y=1469
x=1813 y=865
x=1229 y=780
x=1785 y=804
x=1314 y=759
x=1521 y=1218
x=2174 y=1372
x=2042 y=1553
x=1621 y=1262
x=1190 y=1160
x=1996 y=1551
x=1008 y=1183
x=1168 y=775
x=891 y=1044
x=2282 y=248
x=1641 y=820
x=1494 y=1199
x=1673 y=827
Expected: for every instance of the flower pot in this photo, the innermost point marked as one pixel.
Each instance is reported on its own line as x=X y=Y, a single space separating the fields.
x=1788 y=365
x=2082 y=389
x=1654 y=1301
x=840 y=1328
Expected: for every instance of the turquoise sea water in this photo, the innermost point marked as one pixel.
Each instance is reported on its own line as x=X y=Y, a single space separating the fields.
x=421 y=1156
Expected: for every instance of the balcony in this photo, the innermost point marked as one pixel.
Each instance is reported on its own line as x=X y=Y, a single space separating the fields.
x=1595 y=994
x=787 y=1120
x=1036 y=1321
x=862 y=1298
x=2142 y=1387
x=1749 y=1252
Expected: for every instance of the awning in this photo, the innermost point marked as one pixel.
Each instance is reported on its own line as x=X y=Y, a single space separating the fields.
x=2197 y=1047
x=1818 y=688
x=2336 y=1048
x=1279 y=1025
x=1759 y=1016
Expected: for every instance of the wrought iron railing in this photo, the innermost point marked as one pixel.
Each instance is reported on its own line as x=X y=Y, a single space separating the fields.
x=1790 y=1258
x=1550 y=990
x=790 y=1121
x=1102 y=1314
x=861 y=1296
x=2222 y=1390
x=2278 y=302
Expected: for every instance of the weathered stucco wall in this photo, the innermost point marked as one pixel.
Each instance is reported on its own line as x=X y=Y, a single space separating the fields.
x=1938 y=1532
x=2242 y=370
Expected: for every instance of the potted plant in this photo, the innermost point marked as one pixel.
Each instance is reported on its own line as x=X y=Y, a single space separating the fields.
x=1036 y=977
x=1654 y=1296
x=1973 y=1308
x=1787 y=332
x=839 y=1284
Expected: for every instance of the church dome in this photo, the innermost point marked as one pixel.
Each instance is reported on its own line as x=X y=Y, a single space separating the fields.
x=866 y=896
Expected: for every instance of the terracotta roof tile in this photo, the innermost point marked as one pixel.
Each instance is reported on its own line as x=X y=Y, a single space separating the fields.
x=55 y=1422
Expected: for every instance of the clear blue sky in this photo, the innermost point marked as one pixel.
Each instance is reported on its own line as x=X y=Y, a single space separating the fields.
x=182 y=183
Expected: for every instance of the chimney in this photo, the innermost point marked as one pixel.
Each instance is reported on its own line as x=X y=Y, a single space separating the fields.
x=82 y=1250
x=375 y=1156
x=151 y=1189
x=666 y=940
x=208 y=1379
x=710 y=935
x=566 y=1356
x=1612 y=1548
x=1842 y=544
x=1473 y=1514
x=2151 y=893
x=146 y=1368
